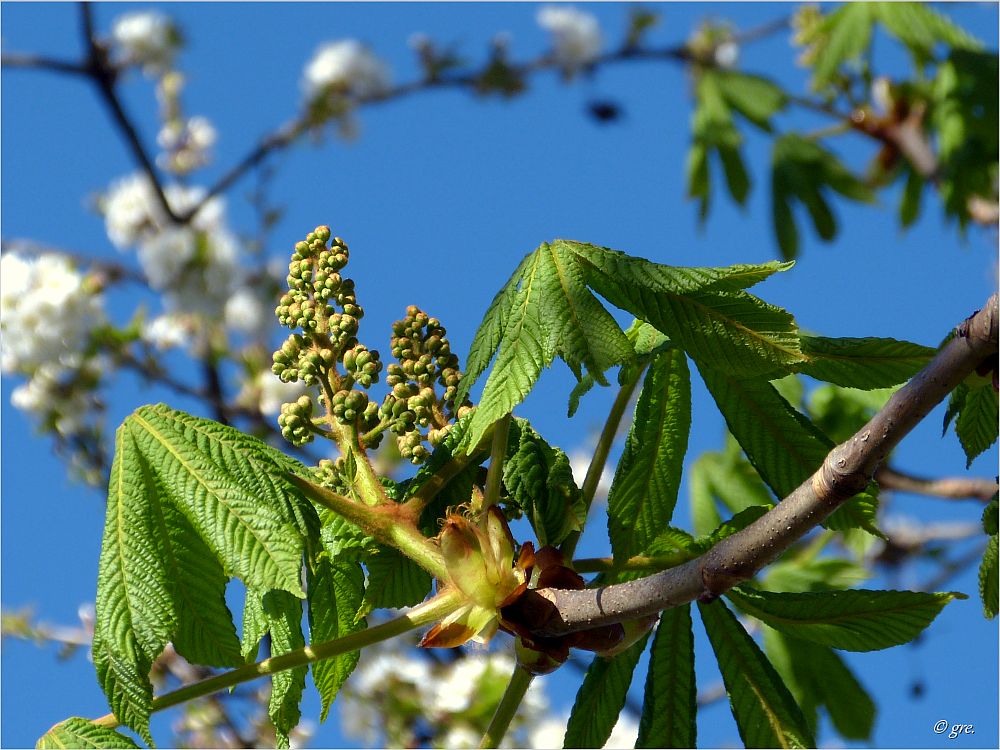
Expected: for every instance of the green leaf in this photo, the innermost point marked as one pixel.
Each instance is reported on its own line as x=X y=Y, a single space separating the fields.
x=857 y=620
x=394 y=581
x=845 y=34
x=703 y=310
x=814 y=574
x=342 y=540
x=866 y=363
x=551 y=313
x=909 y=204
x=284 y=618
x=540 y=481
x=758 y=99
x=765 y=712
x=670 y=704
x=644 y=491
x=488 y=335
x=336 y=591
x=190 y=502
x=255 y=624
x=83 y=733
x=976 y=424
x=704 y=511
x=782 y=444
x=817 y=676
x=601 y=697
x=802 y=171
x=920 y=28
x=991 y=517
x=231 y=491
x=989 y=578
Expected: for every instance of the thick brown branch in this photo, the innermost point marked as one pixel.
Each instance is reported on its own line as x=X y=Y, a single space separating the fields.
x=951 y=488
x=846 y=471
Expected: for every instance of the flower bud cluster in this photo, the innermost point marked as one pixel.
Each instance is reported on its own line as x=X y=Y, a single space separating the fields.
x=295 y=421
x=420 y=344
x=324 y=306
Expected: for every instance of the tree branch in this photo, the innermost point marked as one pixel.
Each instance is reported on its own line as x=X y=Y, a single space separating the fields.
x=845 y=472
x=951 y=488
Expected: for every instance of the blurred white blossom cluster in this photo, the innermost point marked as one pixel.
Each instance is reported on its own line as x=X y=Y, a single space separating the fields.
x=401 y=697
x=197 y=266
x=576 y=36
x=339 y=74
x=48 y=311
x=147 y=39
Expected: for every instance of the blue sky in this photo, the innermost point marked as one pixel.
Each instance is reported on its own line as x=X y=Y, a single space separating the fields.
x=439 y=197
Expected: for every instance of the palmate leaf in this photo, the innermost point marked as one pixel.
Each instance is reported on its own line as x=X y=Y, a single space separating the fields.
x=394 y=581
x=976 y=423
x=865 y=363
x=671 y=701
x=335 y=594
x=765 y=712
x=818 y=677
x=644 y=490
x=856 y=620
x=601 y=697
x=83 y=733
x=781 y=443
x=190 y=503
x=540 y=481
x=546 y=310
x=543 y=312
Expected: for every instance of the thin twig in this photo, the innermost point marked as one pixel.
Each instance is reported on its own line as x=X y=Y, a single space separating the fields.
x=951 y=488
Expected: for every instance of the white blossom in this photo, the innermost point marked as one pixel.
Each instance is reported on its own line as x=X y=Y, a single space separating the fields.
x=548 y=733
x=624 y=734
x=46 y=312
x=727 y=54
x=460 y=737
x=576 y=35
x=272 y=392
x=132 y=211
x=50 y=391
x=579 y=462
x=346 y=66
x=187 y=144
x=247 y=311
x=164 y=255
x=145 y=38
x=167 y=331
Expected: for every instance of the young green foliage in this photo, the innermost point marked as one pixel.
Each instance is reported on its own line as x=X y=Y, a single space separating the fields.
x=765 y=712
x=856 y=620
x=601 y=697
x=974 y=409
x=644 y=491
x=671 y=700
x=82 y=733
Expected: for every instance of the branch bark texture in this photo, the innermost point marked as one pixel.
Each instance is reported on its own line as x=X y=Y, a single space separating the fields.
x=845 y=472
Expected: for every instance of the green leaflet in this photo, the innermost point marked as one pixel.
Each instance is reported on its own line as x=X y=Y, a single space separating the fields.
x=817 y=676
x=989 y=578
x=393 y=581
x=342 y=540
x=976 y=423
x=782 y=444
x=842 y=36
x=728 y=477
x=181 y=517
x=703 y=310
x=856 y=620
x=920 y=28
x=719 y=93
x=551 y=313
x=802 y=171
x=644 y=490
x=864 y=363
x=765 y=712
x=811 y=573
x=602 y=697
x=255 y=624
x=540 y=481
x=83 y=733
x=284 y=621
x=670 y=705
x=231 y=491
x=335 y=594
